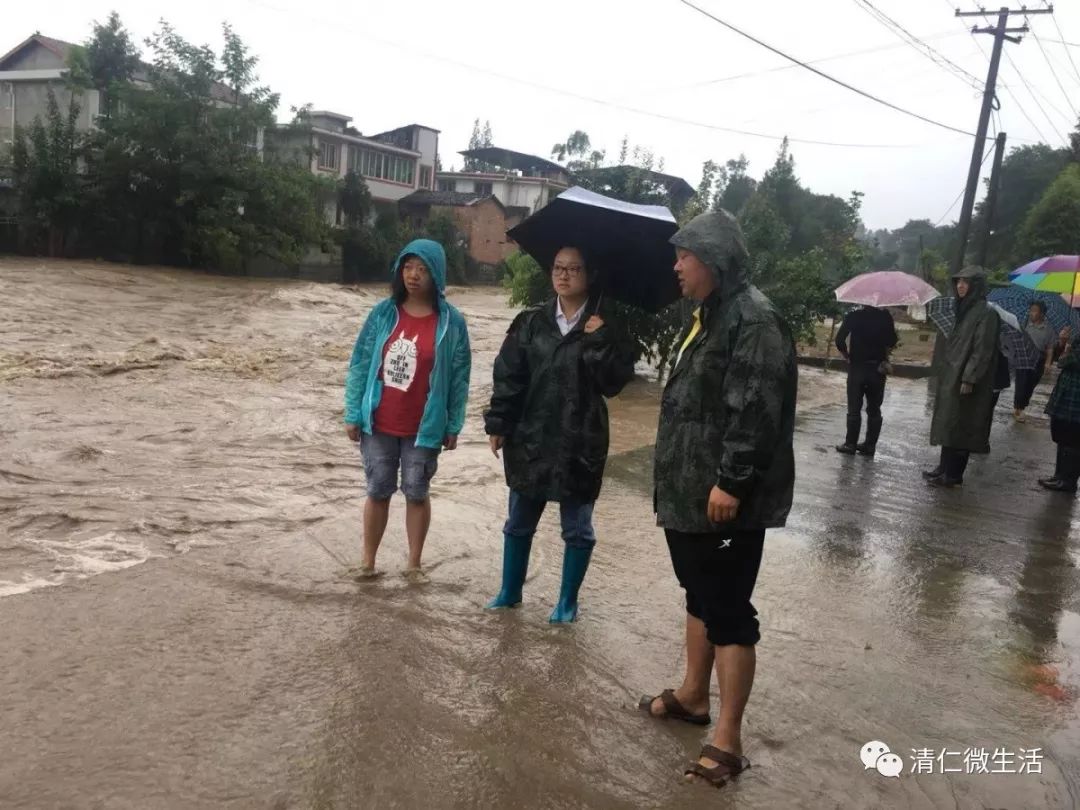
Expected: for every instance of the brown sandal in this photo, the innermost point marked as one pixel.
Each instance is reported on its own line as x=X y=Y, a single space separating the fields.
x=727 y=767
x=672 y=709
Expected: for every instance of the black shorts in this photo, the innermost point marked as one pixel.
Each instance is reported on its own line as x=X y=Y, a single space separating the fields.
x=718 y=572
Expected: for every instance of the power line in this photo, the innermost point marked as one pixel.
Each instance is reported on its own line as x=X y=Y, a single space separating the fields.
x=1053 y=72
x=961 y=194
x=1037 y=94
x=1008 y=89
x=337 y=26
x=823 y=75
x=923 y=48
x=781 y=68
x=1063 y=43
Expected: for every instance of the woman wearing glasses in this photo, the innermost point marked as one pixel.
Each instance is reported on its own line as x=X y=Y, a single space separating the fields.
x=548 y=417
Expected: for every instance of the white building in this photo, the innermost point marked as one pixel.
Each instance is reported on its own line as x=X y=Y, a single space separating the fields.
x=515 y=179
x=394 y=164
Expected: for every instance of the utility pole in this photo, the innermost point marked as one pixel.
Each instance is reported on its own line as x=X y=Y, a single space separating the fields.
x=1001 y=33
x=991 y=199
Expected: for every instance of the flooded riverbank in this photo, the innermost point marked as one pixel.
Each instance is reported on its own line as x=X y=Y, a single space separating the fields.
x=178 y=501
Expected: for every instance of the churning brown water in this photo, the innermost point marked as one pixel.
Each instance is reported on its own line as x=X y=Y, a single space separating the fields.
x=178 y=502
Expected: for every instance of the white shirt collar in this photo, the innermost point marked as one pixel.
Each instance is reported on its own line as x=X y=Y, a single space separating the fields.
x=567 y=324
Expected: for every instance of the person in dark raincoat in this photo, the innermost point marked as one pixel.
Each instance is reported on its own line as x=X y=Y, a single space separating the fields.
x=1064 y=411
x=548 y=416
x=872 y=336
x=964 y=408
x=724 y=473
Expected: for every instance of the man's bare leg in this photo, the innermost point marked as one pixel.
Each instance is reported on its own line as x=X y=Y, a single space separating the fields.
x=735 y=667
x=694 y=692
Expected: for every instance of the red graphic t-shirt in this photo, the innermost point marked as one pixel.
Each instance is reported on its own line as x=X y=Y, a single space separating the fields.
x=408 y=358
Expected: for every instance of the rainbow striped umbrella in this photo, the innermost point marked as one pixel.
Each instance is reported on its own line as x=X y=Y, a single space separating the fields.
x=1054 y=274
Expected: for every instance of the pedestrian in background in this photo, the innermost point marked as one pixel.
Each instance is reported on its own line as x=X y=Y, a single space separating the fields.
x=1042 y=336
x=964 y=406
x=1064 y=411
x=866 y=338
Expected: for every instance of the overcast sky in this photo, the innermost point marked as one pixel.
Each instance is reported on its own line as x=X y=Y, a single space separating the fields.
x=539 y=70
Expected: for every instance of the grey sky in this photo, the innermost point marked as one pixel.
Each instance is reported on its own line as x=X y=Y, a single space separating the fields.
x=389 y=64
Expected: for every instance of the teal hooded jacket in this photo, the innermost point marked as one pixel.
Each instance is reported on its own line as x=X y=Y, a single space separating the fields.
x=444 y=414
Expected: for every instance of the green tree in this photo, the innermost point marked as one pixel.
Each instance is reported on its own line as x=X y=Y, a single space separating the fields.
x=734 y=186
x=45 y=171
x=802 y=245
x=1026 y=174
x=1053 y=224
x=107 y=62
x=178 y=176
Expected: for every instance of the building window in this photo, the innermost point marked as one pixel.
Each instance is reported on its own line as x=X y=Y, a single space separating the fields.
x=425 y=177
x=447 y=184
x=328 y=156
x=382 y=166
x=483 y=189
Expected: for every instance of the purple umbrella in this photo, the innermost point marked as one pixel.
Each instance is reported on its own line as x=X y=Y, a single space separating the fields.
x=886 y=288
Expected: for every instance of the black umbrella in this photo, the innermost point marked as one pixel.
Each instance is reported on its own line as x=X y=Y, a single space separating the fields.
x=628 y=243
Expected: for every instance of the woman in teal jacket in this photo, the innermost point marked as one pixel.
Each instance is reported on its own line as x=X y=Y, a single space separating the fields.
x=405 y=394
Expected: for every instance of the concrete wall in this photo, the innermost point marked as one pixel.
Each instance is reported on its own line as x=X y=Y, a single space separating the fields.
x=36 y=57
x=428 y=147
x=31 y=100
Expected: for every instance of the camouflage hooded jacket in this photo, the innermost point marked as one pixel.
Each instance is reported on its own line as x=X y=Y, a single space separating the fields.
x=727 y=417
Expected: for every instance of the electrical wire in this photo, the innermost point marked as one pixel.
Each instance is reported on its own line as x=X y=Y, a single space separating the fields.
x=422 y=54
x=780 y=68
x=1062 y=41
x=1035 y=98
x=923 y=48
x=964 y=189
x=822 y=74
x=1053 y=72
x=1005 y=86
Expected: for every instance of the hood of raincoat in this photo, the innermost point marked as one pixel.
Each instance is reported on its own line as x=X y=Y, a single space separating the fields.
x=716 y=238
x=976 y=276
x=432 y=254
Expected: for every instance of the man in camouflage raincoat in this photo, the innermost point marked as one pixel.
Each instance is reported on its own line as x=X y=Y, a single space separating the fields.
x=724 y=473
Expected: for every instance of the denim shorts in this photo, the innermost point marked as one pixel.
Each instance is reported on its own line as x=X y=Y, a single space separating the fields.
x=383 y=455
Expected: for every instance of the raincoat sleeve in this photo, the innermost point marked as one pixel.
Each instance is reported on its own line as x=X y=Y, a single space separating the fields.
x=609 y=355
x=510 y=383
x=461 y=370
x=753 y=400
x=984 y=348
x=359 y=368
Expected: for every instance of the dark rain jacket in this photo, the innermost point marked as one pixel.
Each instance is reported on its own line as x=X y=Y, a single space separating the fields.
x=962 y=421
x=727 y=417
x=548 y=402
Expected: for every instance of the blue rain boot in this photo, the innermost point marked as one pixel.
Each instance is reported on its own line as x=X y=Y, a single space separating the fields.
x=515 y=566
x=575 y=564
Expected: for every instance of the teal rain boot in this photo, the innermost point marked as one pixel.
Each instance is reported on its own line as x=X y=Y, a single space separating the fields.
x=515 y=566
x=575 y=564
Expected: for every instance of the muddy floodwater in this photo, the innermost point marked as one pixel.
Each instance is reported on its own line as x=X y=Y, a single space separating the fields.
x=178 y=504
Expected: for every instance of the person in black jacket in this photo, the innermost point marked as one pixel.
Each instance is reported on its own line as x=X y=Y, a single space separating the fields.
x=548 y=416
x=724 y=473
x=872 y=336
